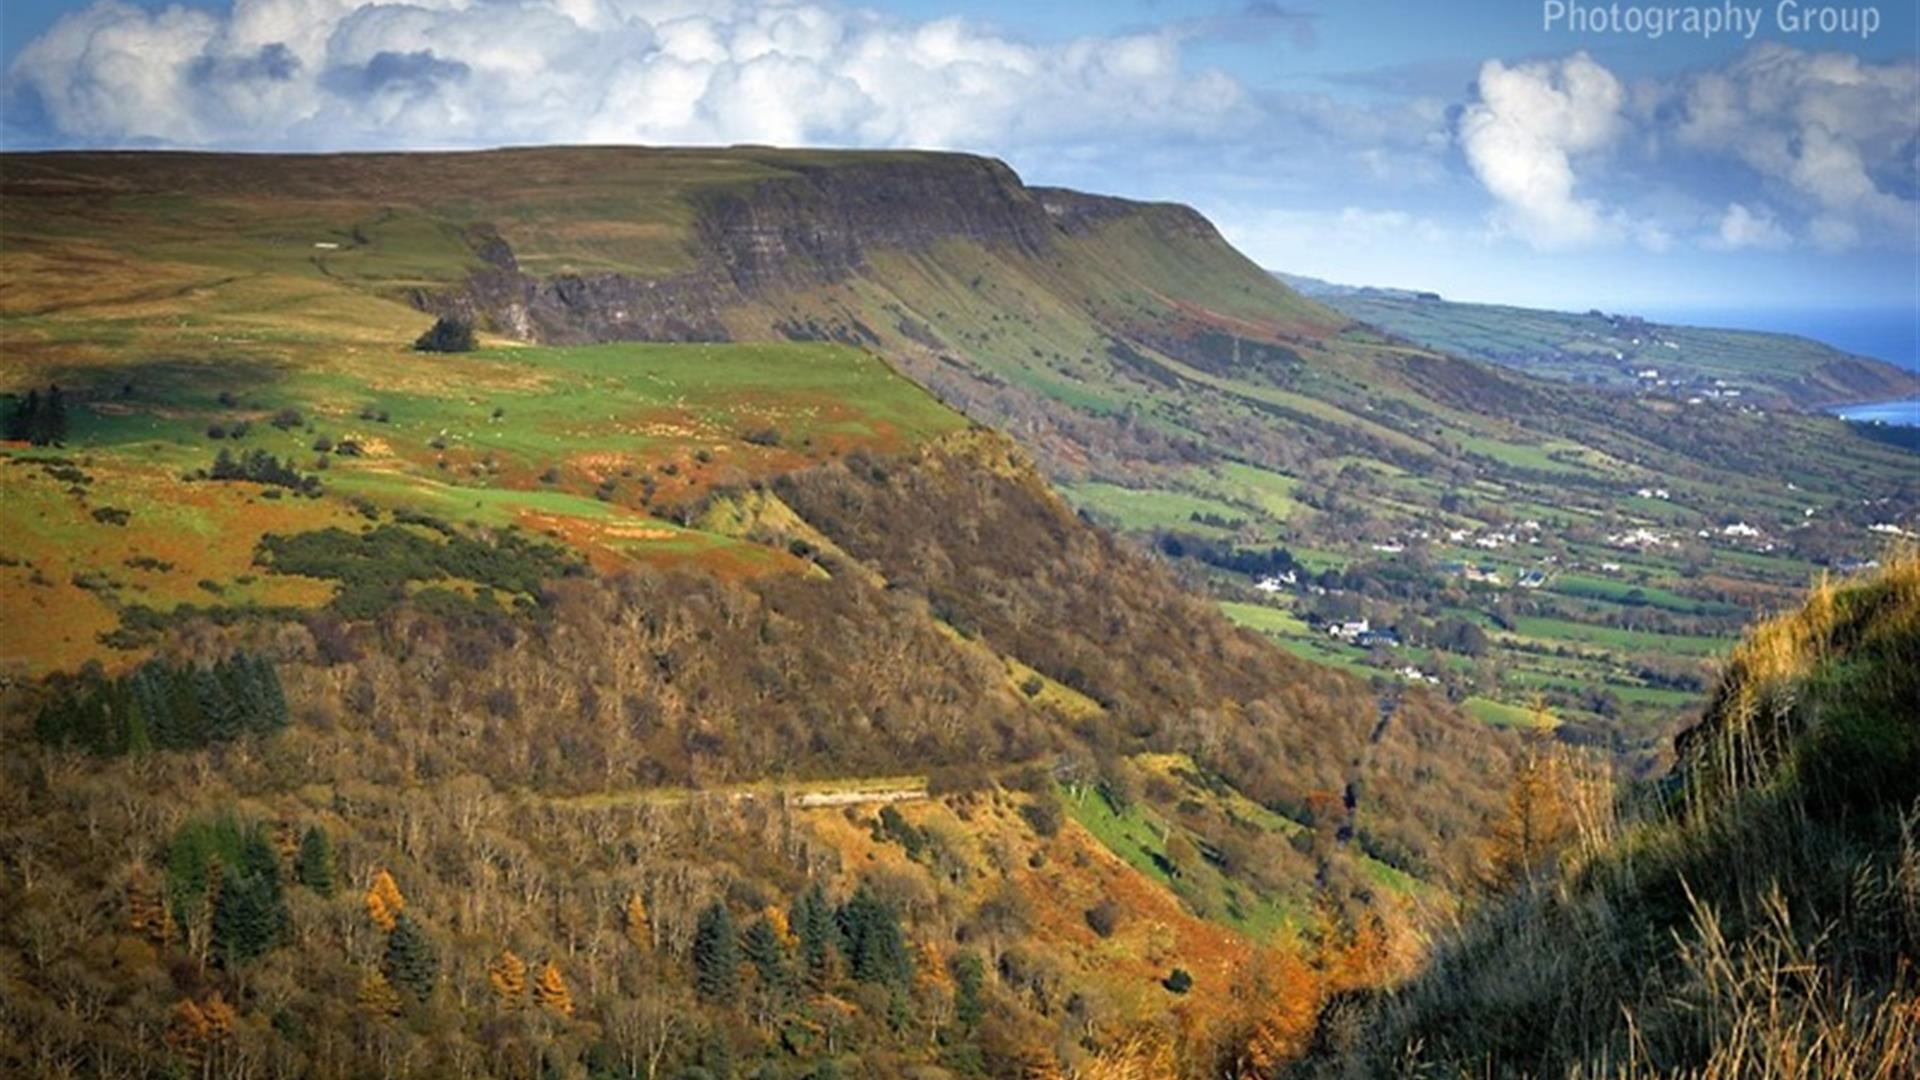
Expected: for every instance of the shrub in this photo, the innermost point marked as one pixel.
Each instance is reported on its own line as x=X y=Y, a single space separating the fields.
x=1178 y=981
x=447 y=335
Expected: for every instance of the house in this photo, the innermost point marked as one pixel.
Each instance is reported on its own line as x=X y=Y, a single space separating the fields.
x=1485 y=572
x=1274 y=584
x=1414 y=674
x=1391 y=547
x=1383 y=637
x=1533 y=579
x=1739 y=529
x=1350 y=630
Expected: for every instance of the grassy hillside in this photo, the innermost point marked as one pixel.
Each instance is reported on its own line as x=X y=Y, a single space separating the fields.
x=1755 y=915
x=594 y=706
x=1617 y=351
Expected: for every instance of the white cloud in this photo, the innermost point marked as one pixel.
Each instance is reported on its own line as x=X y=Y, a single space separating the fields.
x=348 y=73
x=1523 y=134
x=1741 y=227
x=1828 y=131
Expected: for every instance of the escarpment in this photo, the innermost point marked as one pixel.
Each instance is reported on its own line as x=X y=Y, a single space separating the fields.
x=809 y=225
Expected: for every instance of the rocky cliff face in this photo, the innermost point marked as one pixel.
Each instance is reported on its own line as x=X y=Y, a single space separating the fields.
x=816 y=224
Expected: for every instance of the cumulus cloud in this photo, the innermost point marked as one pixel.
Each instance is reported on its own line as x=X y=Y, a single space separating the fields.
x=1741 y=227
x=1523 y=134
x=349 y=73
x=1830 y=131
x=1827 y=138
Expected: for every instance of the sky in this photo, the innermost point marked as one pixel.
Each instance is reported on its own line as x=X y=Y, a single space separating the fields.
x=1544 y=152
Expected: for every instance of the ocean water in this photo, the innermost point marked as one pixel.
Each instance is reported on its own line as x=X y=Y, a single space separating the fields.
x=1890 y=334
x=1904 y=412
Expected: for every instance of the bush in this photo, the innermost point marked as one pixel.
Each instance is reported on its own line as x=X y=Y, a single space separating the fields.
x=1178 y=981
x=447 y=335
x=1104 y=918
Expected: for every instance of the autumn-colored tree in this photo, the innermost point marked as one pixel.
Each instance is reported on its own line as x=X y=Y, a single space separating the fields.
x=1277 y=998
x=1538 y=819
x=508 y=976
x=550 y=990
x=636 y=919
x=188 y=1033
x=147 y=914
x=384 y=902
x=377 y=996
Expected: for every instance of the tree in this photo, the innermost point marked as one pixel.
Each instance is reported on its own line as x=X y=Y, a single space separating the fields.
x=313 y=866
x=1537 y=820
x=968 y=977
x=550 y=990
x=384 y=902
x=446 y=335
x=812 y=921
x=376 y=996
x=508 y=977
x=410 y=961
x=248 y=915
x=638 y=931
x=875 y=948
x=716 y=956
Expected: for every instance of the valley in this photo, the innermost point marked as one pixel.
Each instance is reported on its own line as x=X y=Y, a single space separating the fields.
x=846 y=608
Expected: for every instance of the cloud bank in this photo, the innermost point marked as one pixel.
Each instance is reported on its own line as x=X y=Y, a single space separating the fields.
x=314 y=74
x=1826 y=135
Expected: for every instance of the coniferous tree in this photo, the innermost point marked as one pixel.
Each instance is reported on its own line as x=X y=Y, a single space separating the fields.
x=313 y=866
x=249 y=910
x=550 y=990
x=812 y=921
x=508 y=977
x=376 y=996
x=875 y=948
x=762 y=947
x=716 y=955
x=410 y=962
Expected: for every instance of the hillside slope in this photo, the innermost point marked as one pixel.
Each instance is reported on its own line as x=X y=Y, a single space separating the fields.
x=1777 y=371
x=1518 y=538
x=573 y=706
x=1757 y=915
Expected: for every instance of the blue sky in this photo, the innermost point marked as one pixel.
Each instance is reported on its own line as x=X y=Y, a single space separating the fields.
x=1467 y=148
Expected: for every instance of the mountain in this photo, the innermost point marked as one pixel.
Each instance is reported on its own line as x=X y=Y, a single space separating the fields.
x=1756 y=914
x=730 y=661
x=1625 y=352
x=579 y=703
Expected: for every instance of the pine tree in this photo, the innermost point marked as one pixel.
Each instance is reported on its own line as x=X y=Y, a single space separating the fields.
x=762 y=947
x=384 y=902
x=550 y=990
x=876 y=950
x=812 y=921
x=313 y=866
x=716 y=955
x=214 y=687
x=508 y=977
x=248 y=916
x=410 y=962
x=376 y=996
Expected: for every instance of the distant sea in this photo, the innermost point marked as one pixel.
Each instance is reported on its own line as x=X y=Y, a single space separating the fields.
x=1890 y=334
